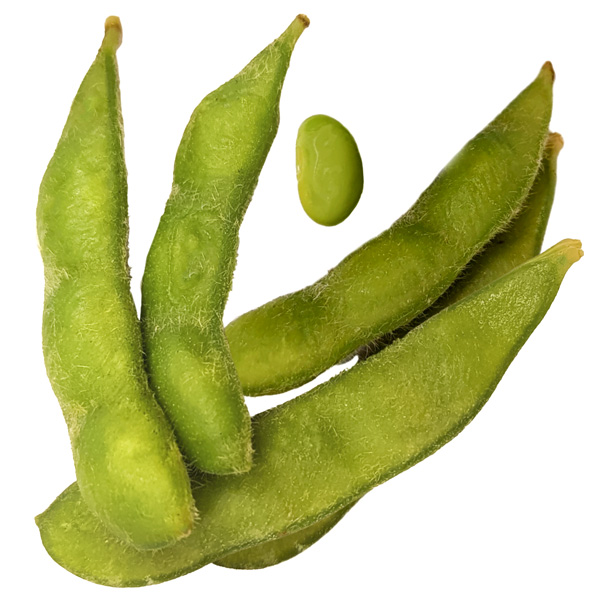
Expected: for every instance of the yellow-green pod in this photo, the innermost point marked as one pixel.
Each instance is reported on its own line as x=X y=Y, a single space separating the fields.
x=329 y=170
x=394 y=277
x=190 y=265
x=129 y=468
x=319 y=452
x=269 y=554
x=521 y=241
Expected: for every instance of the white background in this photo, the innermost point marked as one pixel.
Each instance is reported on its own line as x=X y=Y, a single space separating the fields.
x=509 y=509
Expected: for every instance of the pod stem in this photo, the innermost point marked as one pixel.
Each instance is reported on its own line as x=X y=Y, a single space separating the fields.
x=548 y=70
x=569 y=249
x=554 y=144
x=113 y=34
x=294 y=31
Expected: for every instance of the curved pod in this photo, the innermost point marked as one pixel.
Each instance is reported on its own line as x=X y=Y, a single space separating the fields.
x=129 y=469
x=521 y=241
x=313 y=456
x=190 y=265
x=392 y=278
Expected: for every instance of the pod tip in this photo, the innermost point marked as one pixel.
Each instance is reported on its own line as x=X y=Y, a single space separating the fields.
x=304 y=20
x=571 y=249
x=294 y=31
x=555 y=142
x=113 y=34
x=548 y=68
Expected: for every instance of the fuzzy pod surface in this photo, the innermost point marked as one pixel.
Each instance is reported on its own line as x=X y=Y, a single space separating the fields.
x=326 y=448
x=284 y=547
x=129 y=469
x=392 y=278
x=190 y=265
x=520 y=241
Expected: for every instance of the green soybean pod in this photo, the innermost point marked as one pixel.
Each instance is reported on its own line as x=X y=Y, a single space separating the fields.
x=129 y=469
x=521 y=241
x=326 y=448
x=392 y=278
x=190 y=264
x=329 y=170
x=269 y=554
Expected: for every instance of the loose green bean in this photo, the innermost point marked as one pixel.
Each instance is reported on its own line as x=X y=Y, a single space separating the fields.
x=521 y=241
x=395 y=276
x=129 y=469
x=190 y=265
x=329 y=170
x=319 y=452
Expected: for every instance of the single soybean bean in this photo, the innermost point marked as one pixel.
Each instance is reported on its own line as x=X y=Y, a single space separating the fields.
x=329 y=170
x=395 y=276
x=129 y=469
x=326 y=448
x=190 y=265
x=521 y=241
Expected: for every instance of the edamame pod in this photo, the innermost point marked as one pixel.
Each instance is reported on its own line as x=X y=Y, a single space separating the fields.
x=129 y=469
x=521 y=241
x=269 y=554
x=392 y=278
x=313 y=455
x=190 y=265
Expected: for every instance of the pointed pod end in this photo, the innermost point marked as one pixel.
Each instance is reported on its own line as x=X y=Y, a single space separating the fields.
x=569 y=249
x=548 y=71
x=113 y=34
x=573 y=250
x=554 y=143
x=294 y=31
x=304 y=20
